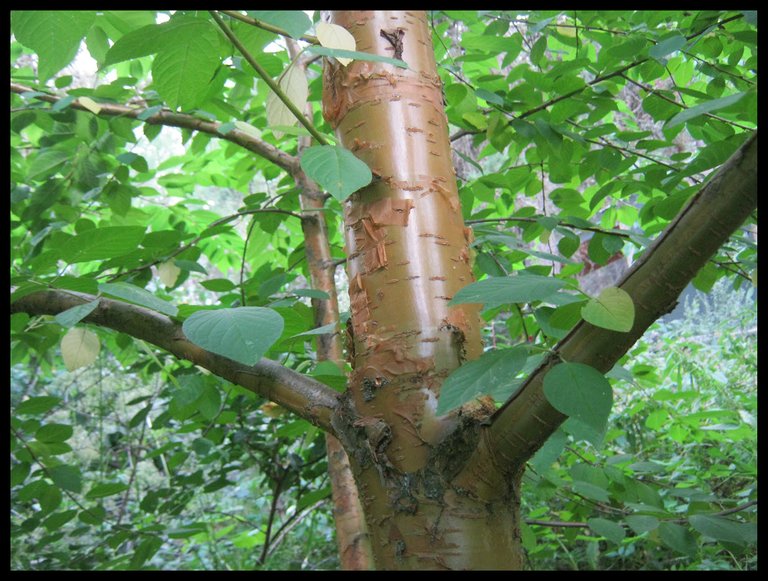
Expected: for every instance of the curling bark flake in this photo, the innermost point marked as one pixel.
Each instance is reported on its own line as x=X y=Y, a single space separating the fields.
x=404 y=232
x=408 y=254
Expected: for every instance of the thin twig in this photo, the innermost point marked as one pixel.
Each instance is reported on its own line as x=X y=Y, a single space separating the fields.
x=268 y=79
x=268 y=27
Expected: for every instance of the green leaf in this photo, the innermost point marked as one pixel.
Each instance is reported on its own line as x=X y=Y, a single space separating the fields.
x=667 y=46
x=581 y=392
x=148 y=112
x=324 y=330
x=138 y=43
x=102 y=243
x=607 y=528
x=677 y=538
x=492 y=371
x=723 y=529
x=93 y=516
x=549 y=452
x=38 y=405
x=54 y=433
x=183 y=69
x=67 y=477
x=294 y=22
x=71 y=317
x=19 y=473
x=612 y=309
x=54 y=35
x=59 y=519
x=311 y=293
x=148 y=547
x=219 y=285
x=355 y=55
x=45 y=162
x=336 y=170
x=209 y=402
x=517 y=288
x=642 y=523
x=133 y=294
x=243 y=334
x=591 y=491
x=702 y=108
x=106 y=489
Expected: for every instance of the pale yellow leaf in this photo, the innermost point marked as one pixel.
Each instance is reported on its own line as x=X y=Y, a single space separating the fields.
x=335 y=36
x=168 y=273
x=90 y=104
x=248 y=129
x=294 y=85
x=79 y=348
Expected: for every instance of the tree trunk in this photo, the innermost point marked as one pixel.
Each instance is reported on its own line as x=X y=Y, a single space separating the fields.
x=408 y=254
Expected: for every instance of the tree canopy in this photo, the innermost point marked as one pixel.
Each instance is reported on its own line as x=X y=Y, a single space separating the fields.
x=167 y=283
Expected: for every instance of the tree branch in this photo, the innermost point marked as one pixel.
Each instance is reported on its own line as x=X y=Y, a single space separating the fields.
x=170 y=119
x=268 y=27
x=302 y=395
x=526 y=420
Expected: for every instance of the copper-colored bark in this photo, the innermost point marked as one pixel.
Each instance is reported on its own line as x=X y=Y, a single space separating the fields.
x=405 y=236
x=407 y=256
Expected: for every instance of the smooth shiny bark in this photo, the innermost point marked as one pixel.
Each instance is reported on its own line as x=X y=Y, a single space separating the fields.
x=408 y=254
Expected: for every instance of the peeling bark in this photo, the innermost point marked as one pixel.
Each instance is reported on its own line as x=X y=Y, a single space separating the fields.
x=408 y=254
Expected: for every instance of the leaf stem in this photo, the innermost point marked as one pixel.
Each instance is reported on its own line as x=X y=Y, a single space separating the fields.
x=268 y=79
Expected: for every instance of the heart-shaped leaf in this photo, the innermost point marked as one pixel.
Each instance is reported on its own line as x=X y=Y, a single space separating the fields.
x=79 y=348
x=335 y=36
x=243 y=334
x=613 y=309
x=336 y=170
x=581 y=392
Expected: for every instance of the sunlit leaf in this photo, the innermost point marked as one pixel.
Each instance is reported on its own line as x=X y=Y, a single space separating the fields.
x=54 y=35
x=168 y=273
x=294 y=84
x=612 y=309
x=335 y=36
x=79 y=348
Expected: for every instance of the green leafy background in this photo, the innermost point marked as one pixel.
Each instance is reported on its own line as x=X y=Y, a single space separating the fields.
x=578 y=135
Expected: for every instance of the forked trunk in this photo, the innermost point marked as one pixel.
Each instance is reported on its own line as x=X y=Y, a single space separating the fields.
x=408 y=254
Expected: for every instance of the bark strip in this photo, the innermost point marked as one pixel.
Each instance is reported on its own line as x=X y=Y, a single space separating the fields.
x=298 y=393
x=403 y=233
